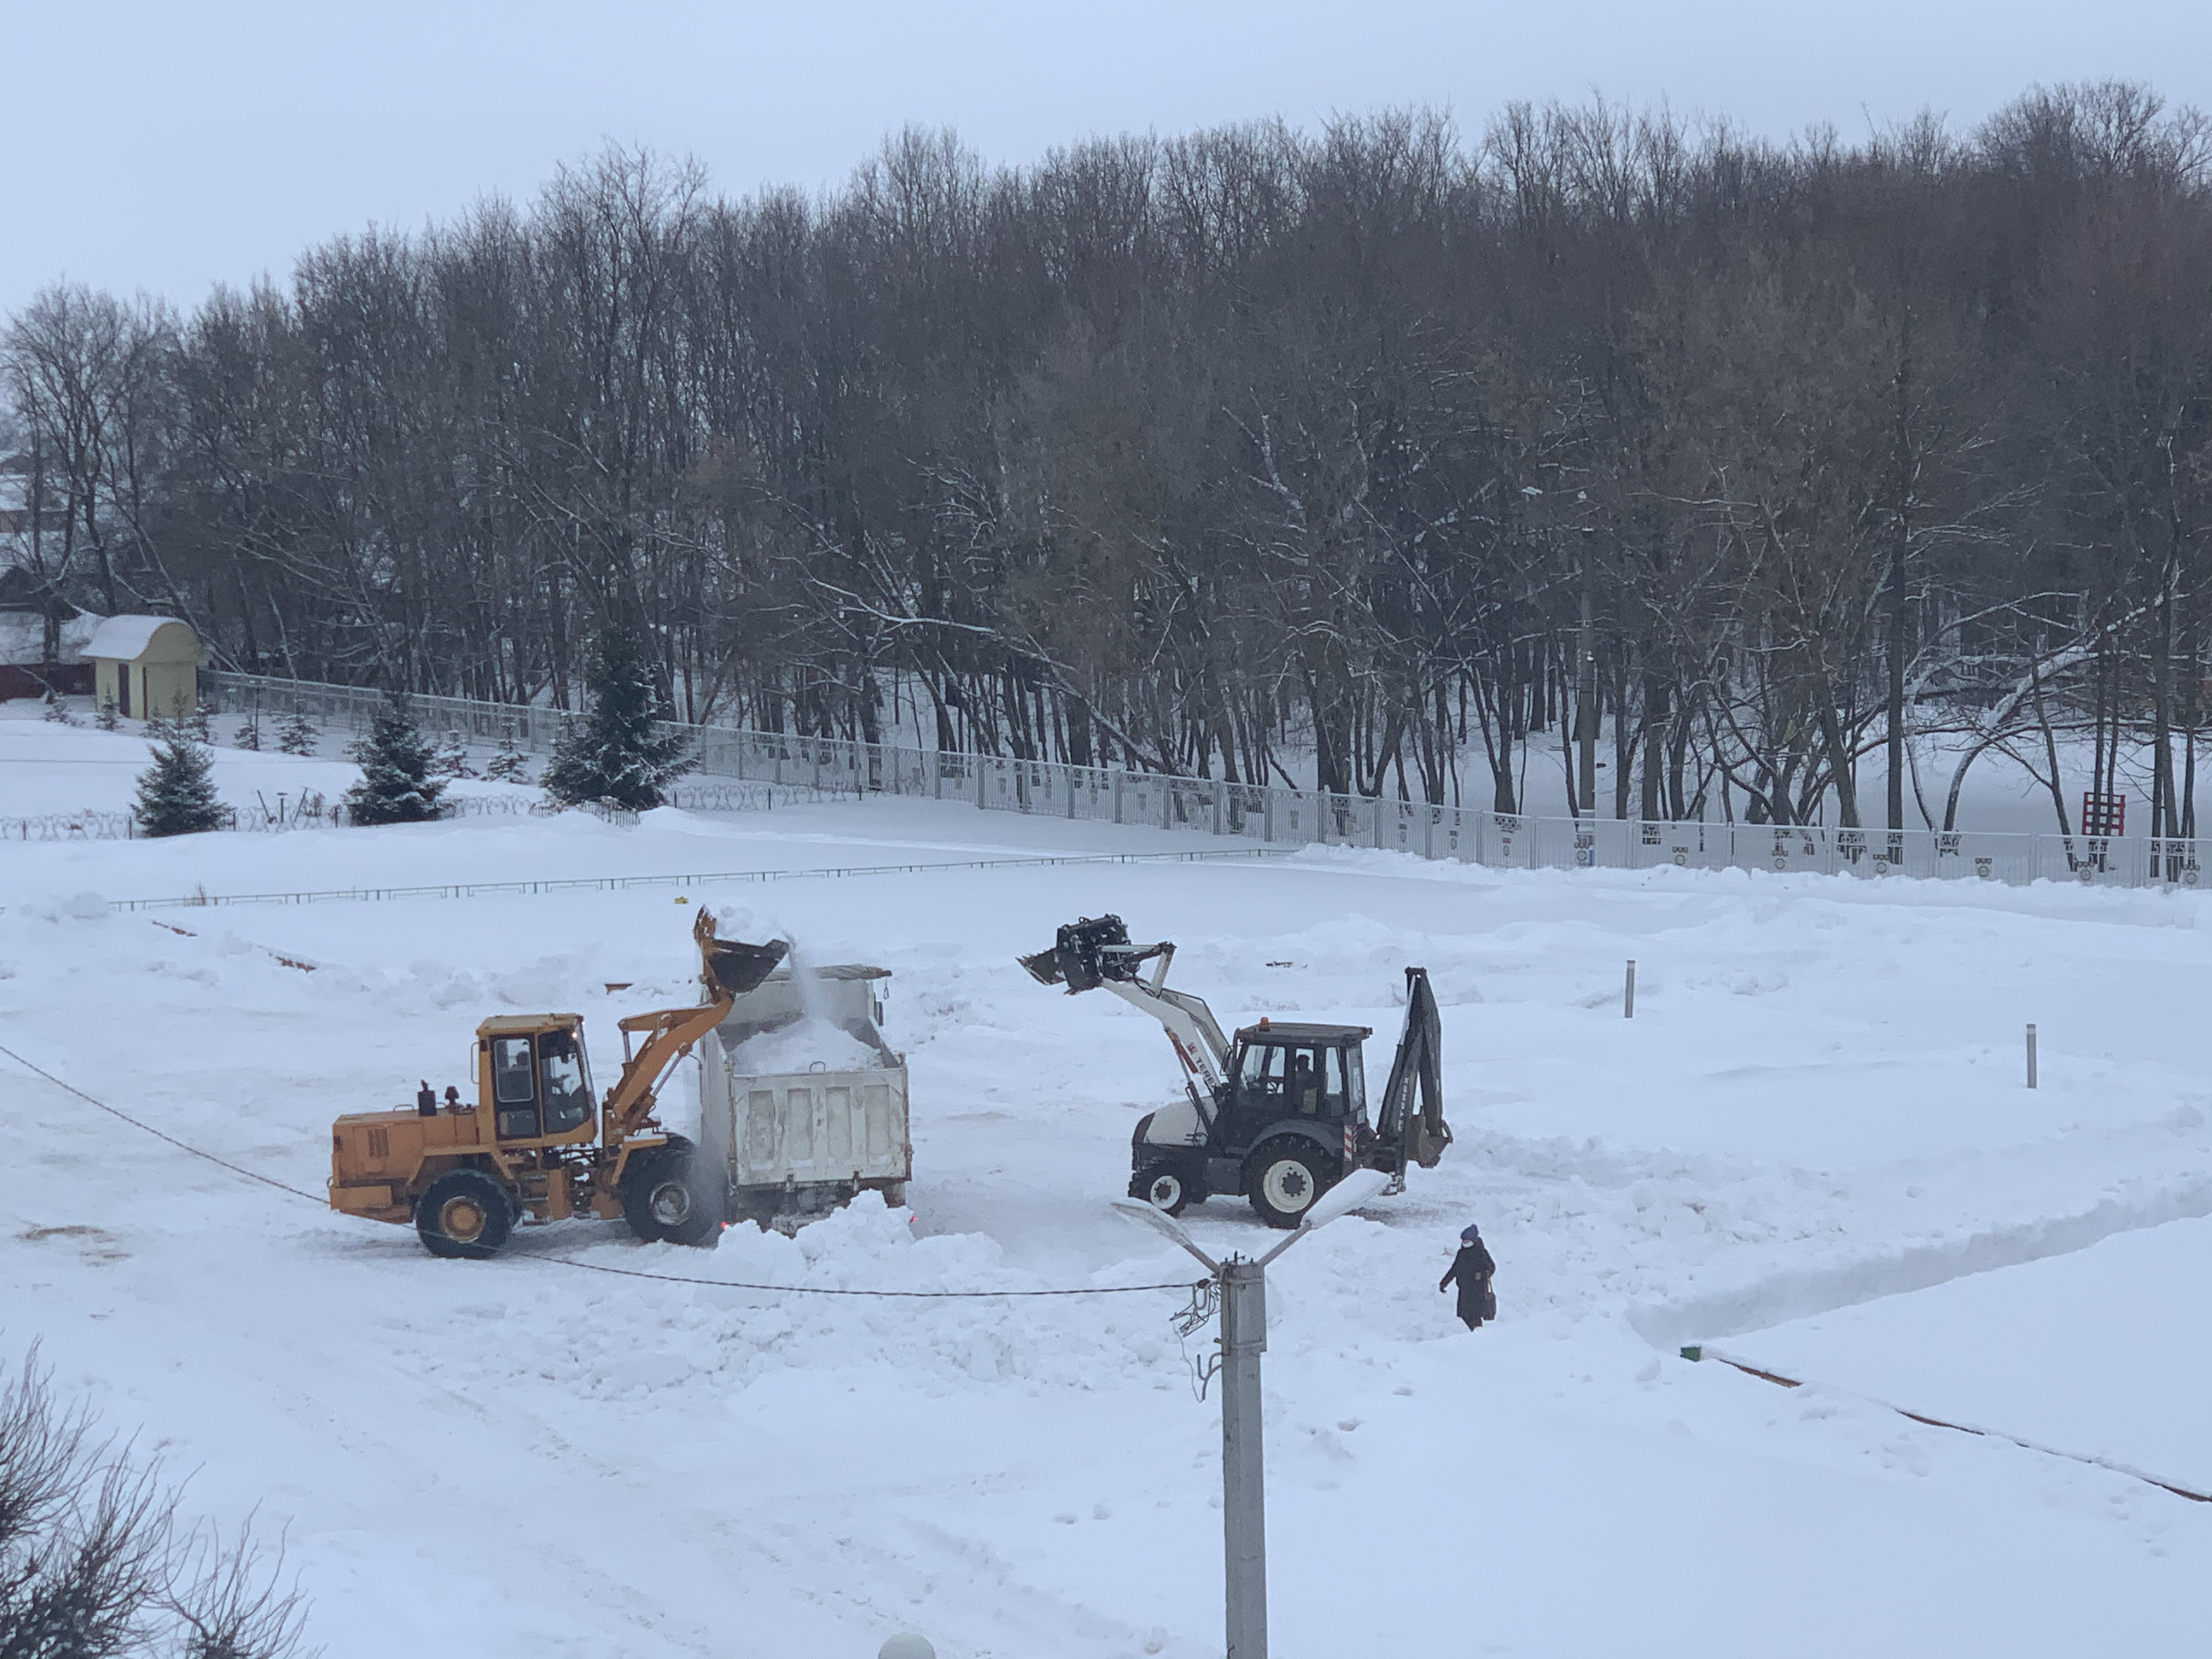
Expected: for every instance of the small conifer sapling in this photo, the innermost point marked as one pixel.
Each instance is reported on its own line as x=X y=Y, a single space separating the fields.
x=509 y=765
x=297 y=733
x=452 y=761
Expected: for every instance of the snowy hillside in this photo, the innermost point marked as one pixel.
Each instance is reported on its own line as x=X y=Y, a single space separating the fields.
x=1819 y=1103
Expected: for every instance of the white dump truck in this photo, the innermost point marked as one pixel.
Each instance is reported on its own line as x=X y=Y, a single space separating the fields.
x=802 y=1103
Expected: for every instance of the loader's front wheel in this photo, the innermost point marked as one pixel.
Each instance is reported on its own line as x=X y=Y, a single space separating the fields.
x=465 y=1213
x=1285 y=1176
x=663 y=1199
x=1163 y=1187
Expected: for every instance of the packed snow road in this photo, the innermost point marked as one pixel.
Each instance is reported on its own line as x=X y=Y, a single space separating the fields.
x=1818 y=1103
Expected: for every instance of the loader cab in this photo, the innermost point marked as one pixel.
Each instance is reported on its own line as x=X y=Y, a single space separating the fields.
x=1309 y=1072
x=533 y=1073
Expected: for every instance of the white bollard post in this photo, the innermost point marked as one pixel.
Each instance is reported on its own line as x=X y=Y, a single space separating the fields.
x=2031 y=1056
x=1628 y=993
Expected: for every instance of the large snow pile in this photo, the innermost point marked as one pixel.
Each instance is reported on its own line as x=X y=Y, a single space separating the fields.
x=1818 y=1103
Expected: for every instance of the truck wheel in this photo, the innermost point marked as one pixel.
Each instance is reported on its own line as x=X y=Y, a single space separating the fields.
x=663 y=1199
x=1162 y=1186
x=1285 y=1176
x=464 y=1213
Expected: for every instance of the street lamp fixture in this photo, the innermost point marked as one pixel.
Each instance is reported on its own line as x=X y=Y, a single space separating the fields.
x=1243 y=1296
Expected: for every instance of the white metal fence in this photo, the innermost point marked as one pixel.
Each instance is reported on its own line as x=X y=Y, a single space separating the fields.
x=1267 y=815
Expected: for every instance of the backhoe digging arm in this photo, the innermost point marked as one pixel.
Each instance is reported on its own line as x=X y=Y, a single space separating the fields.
x=1411 y=1126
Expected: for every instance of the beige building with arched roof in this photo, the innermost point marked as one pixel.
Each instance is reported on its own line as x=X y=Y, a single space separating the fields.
x=146 y=666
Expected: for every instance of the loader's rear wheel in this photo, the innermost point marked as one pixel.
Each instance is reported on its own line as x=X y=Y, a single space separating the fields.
x=465 y=1213
x=664 y=1200
x=1285 y=1176
x=1163 y=1187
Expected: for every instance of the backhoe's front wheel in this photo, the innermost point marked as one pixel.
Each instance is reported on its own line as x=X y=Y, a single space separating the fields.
x=1164 y=1187
x=465 y=1213
x=663 y=1198
x=1285 y=1176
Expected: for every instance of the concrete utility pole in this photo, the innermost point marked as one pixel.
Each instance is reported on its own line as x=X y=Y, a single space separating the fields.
x=1244 y=1291
x=1243 y=1463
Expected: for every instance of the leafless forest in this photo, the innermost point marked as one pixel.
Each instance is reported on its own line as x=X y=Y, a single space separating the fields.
x=1729 y=463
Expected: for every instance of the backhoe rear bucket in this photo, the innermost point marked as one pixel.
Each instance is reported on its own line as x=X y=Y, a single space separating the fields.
x=731 y=964
x=1412 y=1116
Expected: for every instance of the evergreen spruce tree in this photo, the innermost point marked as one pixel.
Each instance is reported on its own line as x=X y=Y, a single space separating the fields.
x=249 y=733
x=614 y=756
x=176 y=794
x=58 y=711
x=297 y=735
x=108 y=720
x=396 y=785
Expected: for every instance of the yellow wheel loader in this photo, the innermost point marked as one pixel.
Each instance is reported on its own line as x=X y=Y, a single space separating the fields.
x=533 y=1144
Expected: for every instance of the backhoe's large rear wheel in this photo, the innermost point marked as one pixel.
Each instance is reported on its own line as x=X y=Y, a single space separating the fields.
x=664 y=1198
x=464 y=1213
x=1285 y=1176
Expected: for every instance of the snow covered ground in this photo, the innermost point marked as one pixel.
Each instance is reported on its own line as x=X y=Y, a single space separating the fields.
x=1818 y=1105
x=2101 y=1353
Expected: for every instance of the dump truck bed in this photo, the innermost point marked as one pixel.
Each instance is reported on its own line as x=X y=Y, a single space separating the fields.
x=795 y=1143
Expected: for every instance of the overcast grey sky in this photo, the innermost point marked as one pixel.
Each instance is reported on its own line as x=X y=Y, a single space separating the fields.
x=166 y=146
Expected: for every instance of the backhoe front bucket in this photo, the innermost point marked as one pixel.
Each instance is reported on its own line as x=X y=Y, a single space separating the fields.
x=731 y=964
x=1077 y=958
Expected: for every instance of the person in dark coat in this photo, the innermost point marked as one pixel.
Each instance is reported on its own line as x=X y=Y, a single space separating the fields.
x=1472 y=1267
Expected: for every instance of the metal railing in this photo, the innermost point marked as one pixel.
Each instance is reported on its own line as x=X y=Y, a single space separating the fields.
x=313 y=811
x=1272 y=816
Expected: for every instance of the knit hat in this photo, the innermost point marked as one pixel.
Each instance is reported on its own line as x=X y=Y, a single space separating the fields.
x=1470 y=1235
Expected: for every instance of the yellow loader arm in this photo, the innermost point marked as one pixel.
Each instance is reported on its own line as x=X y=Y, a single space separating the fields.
x=729 y=970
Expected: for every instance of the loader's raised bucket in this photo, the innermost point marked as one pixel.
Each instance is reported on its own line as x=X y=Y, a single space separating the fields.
x=734 y=965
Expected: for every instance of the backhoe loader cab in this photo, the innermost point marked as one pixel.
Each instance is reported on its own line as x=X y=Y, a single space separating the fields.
x=537 y=1143
x=1315 y=1074
x=1280 y=1115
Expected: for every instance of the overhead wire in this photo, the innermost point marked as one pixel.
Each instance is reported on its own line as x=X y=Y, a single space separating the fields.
x=594 y=1267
